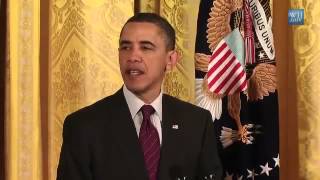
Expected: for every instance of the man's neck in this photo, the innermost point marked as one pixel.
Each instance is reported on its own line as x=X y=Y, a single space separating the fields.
x=147 y=98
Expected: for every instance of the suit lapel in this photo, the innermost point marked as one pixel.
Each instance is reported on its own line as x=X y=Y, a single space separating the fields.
x=128 y=141
x=170 y=124
x=126 y=137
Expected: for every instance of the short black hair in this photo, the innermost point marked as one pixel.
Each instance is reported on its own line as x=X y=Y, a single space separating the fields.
x=159 y=21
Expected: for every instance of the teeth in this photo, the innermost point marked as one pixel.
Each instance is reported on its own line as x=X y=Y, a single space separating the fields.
x=134 y=72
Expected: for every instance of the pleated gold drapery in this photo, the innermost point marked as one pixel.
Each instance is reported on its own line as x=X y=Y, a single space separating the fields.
x=307 y=59
x=83 y=59
x=148 y=6
x=298 y=50
x=83 y=67
x=183 y=17
x=22 y=122
x=84 y=63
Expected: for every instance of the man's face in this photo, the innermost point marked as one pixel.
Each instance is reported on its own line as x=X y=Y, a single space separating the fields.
x=143 y=59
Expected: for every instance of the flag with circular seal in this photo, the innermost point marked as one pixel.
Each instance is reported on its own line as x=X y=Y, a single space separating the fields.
x=236 y=81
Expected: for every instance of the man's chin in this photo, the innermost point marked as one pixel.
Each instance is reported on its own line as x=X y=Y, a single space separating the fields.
x=135 y=89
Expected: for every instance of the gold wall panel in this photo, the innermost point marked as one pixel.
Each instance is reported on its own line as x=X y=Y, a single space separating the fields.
x=83 y=60
x=307 y=58
x=182 y=15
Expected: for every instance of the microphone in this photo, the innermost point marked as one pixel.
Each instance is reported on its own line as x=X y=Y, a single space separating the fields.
x=210 y=177
x=175 y=173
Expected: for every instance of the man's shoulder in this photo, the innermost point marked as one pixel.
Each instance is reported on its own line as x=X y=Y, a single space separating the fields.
x=104 y=105
x=182 y=105
x=192 y=116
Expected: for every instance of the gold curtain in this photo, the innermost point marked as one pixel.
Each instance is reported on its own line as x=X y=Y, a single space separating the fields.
x=149 y=6
x=298 y=54
x=79 y=65
x=82 y=68
x=307 y=59
x=83 y=59
x=22 y=122
x=183 y=17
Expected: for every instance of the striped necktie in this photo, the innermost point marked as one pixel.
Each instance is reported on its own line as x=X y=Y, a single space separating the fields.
x=150 y=143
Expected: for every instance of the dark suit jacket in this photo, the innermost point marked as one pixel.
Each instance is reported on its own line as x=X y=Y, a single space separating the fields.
x=100 y=143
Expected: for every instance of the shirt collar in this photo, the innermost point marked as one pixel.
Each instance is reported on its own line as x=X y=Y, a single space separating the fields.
x=135 y=103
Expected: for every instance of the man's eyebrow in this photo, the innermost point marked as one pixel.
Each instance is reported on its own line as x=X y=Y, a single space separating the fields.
x=122 y=42
x=147 y=43
x=144 y=42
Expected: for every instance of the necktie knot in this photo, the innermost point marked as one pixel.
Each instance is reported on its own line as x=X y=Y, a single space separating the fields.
x=147 y=111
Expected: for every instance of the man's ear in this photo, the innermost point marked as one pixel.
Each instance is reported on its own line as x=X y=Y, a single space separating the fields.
x=172 y=60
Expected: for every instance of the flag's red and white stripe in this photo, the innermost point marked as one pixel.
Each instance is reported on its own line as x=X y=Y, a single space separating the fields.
x=225 y=73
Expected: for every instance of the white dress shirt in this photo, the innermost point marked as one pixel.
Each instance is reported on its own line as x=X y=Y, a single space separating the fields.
x=135 y=104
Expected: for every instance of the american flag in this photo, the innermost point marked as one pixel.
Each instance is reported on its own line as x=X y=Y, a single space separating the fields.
x=225 y=72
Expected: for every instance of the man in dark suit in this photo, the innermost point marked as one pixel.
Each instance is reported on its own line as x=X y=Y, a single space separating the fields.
x=139 y=133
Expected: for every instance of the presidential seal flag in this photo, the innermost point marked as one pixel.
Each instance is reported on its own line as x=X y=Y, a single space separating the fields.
x=236 y=81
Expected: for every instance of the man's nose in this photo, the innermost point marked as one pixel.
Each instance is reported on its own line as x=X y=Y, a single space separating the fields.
x=135 y=55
